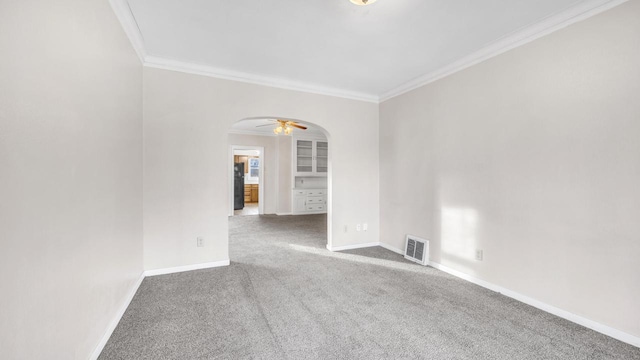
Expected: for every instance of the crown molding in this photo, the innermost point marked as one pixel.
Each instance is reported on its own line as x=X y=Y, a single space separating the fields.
x=123 y=12
x=204 y=70
x=517 y=38
x=527 y=34
x=130 y=26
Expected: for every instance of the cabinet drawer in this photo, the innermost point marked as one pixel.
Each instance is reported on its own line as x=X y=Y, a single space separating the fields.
x=316 y=207
x=315 y=200
x=299 y=192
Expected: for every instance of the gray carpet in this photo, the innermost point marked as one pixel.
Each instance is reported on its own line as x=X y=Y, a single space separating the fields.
x=286 y=297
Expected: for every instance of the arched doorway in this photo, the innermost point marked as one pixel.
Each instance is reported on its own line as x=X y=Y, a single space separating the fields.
x=295 y=167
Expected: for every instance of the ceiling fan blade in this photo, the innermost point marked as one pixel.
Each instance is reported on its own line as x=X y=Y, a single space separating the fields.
x=298 y=126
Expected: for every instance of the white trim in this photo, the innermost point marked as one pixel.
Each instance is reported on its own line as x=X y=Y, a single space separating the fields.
x=114 y=323
x=210 y=71
x=123 y=13
x=517 y=38
x=284 y=214
x=178 y=269
x=351 y=247
x=366 y=245
x=391 y=248
x=603 y=329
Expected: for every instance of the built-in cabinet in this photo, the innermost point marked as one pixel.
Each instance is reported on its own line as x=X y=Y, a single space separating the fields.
x=310 y=165
x=311 y=157
x=309 y=201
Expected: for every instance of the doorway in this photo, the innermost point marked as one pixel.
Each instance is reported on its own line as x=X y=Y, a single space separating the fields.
x=286 y=177
x=247 y=183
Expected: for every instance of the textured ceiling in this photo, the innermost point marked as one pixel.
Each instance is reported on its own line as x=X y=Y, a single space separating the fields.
x=367 y=50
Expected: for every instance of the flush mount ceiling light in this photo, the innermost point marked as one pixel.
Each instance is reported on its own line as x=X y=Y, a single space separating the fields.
x=363 y=2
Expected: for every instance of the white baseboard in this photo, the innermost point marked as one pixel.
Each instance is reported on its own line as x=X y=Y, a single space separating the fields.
x=603 y=329
x=366 y=245
x=283 y=214
x=391 y=248
x=178 y=269
x=114 y=323
x=351 y=247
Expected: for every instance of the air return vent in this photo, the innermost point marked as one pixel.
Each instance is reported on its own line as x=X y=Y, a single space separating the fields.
x=417 y=250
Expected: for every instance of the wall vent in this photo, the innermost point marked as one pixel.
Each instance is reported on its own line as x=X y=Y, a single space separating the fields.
x=417 y=250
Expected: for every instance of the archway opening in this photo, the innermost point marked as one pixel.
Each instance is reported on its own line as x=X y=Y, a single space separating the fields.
x=294 y=182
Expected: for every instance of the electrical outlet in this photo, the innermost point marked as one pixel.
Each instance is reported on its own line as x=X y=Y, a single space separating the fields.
x=365 y=227
x=200 y=242
x=479 y=255
x=358 y=227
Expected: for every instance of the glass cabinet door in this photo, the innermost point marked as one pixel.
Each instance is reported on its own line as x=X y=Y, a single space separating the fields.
x=322 y=156
x=304 y=156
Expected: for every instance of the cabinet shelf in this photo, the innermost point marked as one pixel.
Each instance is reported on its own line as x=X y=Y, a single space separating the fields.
x=311 y=157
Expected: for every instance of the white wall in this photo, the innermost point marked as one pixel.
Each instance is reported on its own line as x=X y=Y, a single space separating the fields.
x=70 y=176
x=186 y=123
x=284 y=174
x=534 y=157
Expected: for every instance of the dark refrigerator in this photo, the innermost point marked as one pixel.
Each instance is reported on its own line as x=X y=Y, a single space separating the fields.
x=238 y=186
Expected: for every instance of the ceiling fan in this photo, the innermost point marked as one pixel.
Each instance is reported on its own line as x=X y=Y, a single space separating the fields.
x=284 y=126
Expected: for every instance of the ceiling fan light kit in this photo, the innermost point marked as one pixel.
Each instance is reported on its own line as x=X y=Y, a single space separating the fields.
x=363 y=2
x=286 y=127
x=283 y=129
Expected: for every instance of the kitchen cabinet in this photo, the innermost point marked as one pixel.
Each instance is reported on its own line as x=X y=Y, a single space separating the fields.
x=310 y=157
x=251 y=193
x=242 y=159
x=309 y=201
x=246 y=160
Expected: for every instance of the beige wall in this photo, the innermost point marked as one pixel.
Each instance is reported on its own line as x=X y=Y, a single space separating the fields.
x=534 y=157
x=70 y=176
x=186 y=123
x=285 y=183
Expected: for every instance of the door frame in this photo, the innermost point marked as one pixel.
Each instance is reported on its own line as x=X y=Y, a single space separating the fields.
x=232 y=149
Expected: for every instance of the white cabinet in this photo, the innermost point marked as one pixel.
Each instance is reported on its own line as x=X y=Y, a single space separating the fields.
x=310 y=157
x=309 y=201
x=299 y=203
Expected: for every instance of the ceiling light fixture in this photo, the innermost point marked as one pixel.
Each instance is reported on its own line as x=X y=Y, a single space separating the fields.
x=363 y=2
x=285 y=127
